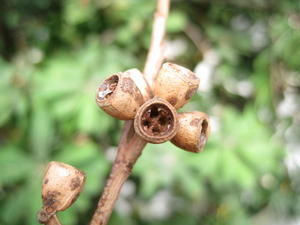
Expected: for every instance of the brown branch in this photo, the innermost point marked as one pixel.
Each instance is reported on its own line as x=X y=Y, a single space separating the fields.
x=130 y=148
x=131 y=145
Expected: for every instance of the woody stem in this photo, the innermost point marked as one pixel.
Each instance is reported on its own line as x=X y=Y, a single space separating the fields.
x=130 y=148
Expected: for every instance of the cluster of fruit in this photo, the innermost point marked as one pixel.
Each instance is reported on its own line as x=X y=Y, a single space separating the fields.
x=127 y=96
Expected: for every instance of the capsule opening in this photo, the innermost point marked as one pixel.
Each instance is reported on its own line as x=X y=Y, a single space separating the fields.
x=203 y=133
x=157 y=120
x=107 y=87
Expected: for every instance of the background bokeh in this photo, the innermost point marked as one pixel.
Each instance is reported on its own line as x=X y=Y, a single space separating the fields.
x=246 y=53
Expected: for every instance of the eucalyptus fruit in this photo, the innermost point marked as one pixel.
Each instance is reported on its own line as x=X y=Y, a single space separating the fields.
x=176 y=84
x=193 y=131
x=62 y=185
x=156 y=121
x=121 y=94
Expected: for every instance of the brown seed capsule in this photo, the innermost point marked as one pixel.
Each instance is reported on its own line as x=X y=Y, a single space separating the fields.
x=121 y=94
x=156 y=121
x=62 y=184
x=193 y=131
x=176 y=84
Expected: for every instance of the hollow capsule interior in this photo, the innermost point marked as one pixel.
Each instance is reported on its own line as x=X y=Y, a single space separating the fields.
x=203 y=134
x=107 y=87
x=157 y=119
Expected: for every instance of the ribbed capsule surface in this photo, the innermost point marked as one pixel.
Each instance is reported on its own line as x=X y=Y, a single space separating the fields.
x=62 y=184
x=156 y=121
x=193 y=131
x=121 y=94
x=176 y=84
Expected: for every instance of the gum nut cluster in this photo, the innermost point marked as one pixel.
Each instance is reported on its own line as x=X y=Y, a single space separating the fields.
x=62 y=185
x=127 y=96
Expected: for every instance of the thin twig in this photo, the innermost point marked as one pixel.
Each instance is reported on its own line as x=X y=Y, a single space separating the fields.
x=155 y=53
x=131 y=145
x=197 y=38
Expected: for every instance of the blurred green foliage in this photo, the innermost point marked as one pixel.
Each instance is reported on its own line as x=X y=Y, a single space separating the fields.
x=246 y=52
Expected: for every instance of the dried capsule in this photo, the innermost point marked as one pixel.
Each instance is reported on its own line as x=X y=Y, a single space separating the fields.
x=193 y=131
x=62 y=185
x=176 y=84
x=121 y=94
x=156 y=121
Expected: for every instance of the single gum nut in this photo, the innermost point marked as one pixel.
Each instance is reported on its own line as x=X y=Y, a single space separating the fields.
x=176 y=84
x=156 y=121
x=193 y=131
x=62 y=185
x=121 y=94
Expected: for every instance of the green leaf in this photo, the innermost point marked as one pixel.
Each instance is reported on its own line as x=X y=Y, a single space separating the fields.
x=41 y=132
x=176 y=21
x=91 y=119
x=74 y=16
x=15 y=165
